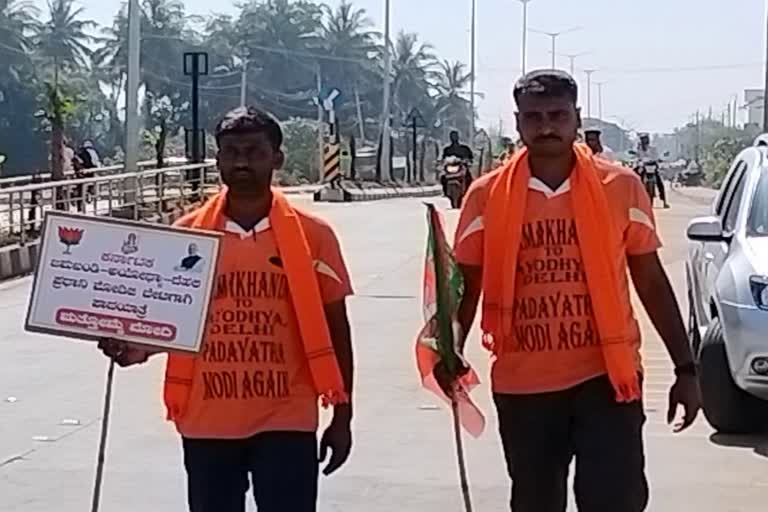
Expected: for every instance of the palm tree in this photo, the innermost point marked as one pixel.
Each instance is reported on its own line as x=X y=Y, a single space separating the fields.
x=346 y=37
x=413 y=67
x=282 y=41
x=451 y=83
x=63 y=39
x=17 y=22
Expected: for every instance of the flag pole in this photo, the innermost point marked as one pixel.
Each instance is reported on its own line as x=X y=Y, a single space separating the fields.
x=103 y=440
x=460 y=456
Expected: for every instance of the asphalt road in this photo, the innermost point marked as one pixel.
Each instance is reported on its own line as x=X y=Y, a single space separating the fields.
x=51 y=394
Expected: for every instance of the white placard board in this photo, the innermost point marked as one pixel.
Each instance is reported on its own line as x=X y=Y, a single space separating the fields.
x=99 y=277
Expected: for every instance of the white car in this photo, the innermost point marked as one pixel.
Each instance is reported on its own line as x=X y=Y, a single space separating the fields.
x=727 y=277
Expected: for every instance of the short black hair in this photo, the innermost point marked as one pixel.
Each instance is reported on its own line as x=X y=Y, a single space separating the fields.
x=551 y=83
x=593 y=131
x=250 y=120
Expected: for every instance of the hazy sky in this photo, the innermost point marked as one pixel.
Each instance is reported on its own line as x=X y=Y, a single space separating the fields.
x=662 y=59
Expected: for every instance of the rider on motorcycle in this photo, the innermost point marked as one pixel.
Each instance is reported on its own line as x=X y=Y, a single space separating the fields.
x=648 y=153
x=459 y=150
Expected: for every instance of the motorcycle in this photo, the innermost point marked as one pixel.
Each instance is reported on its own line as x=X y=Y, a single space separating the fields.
x=648 y=170
x=454 y=180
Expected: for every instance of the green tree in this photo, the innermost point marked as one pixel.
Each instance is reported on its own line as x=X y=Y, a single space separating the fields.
x=282 y=41
x=61 y=42
x=350 y=43
x=413 y=66
x=17 y=23
x=451 y=83
x=63 y=39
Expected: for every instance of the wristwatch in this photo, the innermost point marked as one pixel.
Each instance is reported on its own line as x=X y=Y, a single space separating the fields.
x=686 y=369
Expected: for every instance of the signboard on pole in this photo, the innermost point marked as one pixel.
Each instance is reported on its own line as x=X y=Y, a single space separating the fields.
x=147 y=284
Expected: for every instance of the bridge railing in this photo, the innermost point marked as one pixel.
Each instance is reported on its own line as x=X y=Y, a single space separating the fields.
x=132 y=195
x=29 y=179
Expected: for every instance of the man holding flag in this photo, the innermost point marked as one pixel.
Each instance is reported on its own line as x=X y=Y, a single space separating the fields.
x=546 y=240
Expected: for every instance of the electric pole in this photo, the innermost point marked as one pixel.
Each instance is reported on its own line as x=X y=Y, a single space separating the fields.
x=386 y=148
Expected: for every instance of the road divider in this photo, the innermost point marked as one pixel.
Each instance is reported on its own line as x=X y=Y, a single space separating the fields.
x=348 y=193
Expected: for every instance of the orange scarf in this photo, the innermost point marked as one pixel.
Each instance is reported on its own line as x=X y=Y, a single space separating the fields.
x=305 y=295
x=599 y=241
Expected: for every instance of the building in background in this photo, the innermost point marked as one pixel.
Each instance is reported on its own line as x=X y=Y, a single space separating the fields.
x=753 y=103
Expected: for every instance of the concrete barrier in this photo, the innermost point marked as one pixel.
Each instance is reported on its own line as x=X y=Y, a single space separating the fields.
x=350 y=193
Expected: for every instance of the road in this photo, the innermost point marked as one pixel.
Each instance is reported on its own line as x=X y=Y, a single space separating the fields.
x=403 y=456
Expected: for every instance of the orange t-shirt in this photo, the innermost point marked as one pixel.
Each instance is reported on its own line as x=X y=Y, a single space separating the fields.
x=550 y=334
x=252 y=374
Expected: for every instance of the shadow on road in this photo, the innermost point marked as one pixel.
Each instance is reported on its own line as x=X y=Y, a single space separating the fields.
x=757 y=443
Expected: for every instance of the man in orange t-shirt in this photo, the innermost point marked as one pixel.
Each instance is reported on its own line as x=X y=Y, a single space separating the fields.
x=252 y=408
x=551 y=389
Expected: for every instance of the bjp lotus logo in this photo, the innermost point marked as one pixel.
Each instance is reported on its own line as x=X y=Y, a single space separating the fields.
x=70 y=237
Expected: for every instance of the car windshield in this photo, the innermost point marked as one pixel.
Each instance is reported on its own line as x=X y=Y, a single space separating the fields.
x=758 y=215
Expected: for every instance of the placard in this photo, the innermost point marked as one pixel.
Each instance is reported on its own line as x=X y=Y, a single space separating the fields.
x=100 y=277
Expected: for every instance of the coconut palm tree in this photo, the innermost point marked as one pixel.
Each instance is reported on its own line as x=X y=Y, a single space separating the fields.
x=413 y=66
x=283 y=43
x=61 y=41
x=451 y=84
x=17 y=22
x=347 y=38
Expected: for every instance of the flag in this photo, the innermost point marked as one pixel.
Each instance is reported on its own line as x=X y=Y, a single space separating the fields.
x=439 y=340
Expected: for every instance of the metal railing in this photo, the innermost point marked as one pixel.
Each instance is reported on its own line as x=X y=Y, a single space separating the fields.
x=28 y=179
x=132 y=195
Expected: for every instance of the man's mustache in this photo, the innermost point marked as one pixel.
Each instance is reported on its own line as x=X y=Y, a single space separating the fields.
x=544 y=138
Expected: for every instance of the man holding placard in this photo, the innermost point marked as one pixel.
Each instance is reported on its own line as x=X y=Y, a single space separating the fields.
x=277 y=339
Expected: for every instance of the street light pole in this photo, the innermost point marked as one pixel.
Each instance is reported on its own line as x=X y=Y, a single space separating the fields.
x=554 y=40
x=472 y=71
x=554 y=36
x=600 y=99
x=525 y=32
x=386 y=172
x=589 y=91
x=132 y=88
x=572 y=57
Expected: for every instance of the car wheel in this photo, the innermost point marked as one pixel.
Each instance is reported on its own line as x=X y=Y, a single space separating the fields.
x=728 y=408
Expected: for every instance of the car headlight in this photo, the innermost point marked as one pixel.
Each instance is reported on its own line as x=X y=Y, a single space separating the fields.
x=759 y=287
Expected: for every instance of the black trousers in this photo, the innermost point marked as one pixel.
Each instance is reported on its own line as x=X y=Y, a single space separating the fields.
x=542 y=433
x=282 y=466
x=660 y=187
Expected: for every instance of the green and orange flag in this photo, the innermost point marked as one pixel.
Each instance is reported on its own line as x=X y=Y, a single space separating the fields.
x=440 y=338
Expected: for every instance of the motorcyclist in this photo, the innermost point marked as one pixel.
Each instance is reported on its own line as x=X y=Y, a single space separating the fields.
x=592 y=139
x=645 y=153
x=88 y=155
x=462 y=151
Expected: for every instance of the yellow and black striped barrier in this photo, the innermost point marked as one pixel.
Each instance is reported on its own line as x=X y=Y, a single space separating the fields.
x=331 y=163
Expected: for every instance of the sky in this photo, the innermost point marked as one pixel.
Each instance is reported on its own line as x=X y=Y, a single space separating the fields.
x=661 y=60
